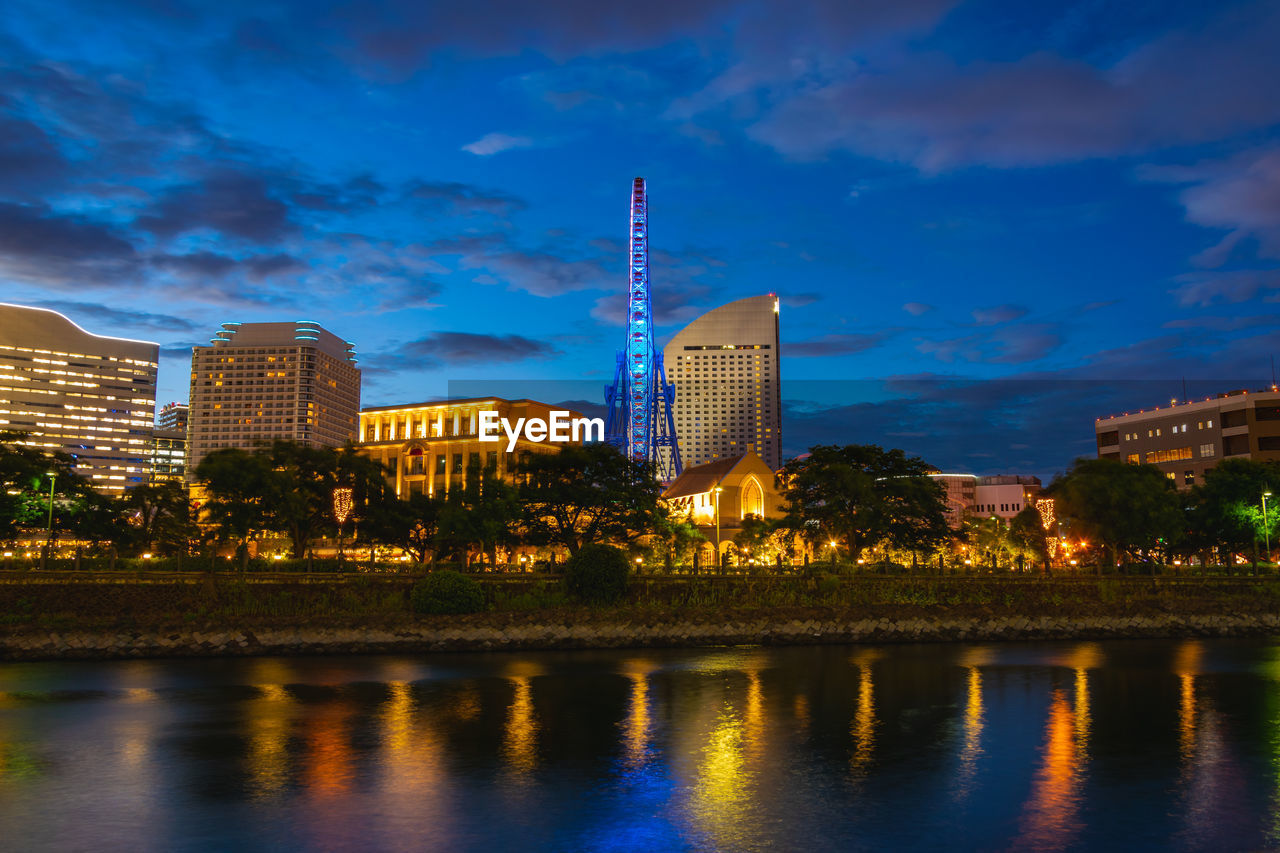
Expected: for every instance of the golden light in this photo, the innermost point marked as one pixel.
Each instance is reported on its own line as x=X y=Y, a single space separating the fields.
x=1047 y=516
x=343 y=500
x=146 y=556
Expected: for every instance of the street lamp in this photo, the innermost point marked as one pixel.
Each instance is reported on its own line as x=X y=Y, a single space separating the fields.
x=1266 y=530
x=719 y=562
x=48 y=541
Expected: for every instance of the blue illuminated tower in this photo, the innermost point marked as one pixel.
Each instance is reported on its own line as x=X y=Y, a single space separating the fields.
x=640 y=420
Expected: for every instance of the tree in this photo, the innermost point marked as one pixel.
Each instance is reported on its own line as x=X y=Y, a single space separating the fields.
x=411 y=524
x=238 y=485
x=1227 y=509
x=860 y=495
x=1027 y=534
x=161 y=517
x=588 y=494
x=755 y=538
x=480 y=515
x=24 y=485
x=1130 y=509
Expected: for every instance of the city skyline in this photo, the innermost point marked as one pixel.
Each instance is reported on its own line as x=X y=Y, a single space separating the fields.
x=958 y=271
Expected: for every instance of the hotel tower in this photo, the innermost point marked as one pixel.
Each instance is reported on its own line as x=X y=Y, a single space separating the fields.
x=258 y=382
x=725 y=369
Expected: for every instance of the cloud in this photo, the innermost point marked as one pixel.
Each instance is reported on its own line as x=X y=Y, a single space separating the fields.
x=40 y=245
x=113 y=318
x=453 y=348
x=1006 y=345
x=495 y=143
x=799 y=300
x=845 y=344
x=232 y=204
x=937 y=113
x=998 y=314
x=1208 y=287
x=916 y=309
x=462 y=199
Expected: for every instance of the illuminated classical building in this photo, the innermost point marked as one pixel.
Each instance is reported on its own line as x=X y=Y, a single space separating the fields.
x=1185 y=440
x=717 y=496
x=728 y=397
x=258 y=382
x=429 y=447
x=69 y=390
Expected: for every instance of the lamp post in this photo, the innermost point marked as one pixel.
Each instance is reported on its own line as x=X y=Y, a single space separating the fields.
x=719 y=562
x=1266 y=529
x=48 y=540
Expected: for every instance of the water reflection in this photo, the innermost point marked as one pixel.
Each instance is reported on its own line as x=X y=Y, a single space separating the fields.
x=864 y=718
x=1050 y=746
x=974 y=719
x=520 y=738
x=1051 y=818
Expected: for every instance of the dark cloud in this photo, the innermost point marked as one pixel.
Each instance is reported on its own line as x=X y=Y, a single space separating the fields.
x=39 y=245
x=459 y=348
x=834 y=345
x=232 y=204
x=998 y=314
x=458 y=198
x=115 y=318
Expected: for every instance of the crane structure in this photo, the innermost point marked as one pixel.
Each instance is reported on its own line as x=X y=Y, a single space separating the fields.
x=640 y=402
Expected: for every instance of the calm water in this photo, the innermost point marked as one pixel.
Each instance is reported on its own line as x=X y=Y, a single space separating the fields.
x=1112 y=745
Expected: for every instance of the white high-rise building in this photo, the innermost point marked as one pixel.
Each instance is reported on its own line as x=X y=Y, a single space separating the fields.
x=90 y=396
x=725 y=368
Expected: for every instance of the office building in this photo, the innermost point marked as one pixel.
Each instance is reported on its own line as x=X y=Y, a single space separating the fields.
x=172 y=416
x=1186 y=440
x=90 y=396
x=427 y=448
x=259 y=382
x=168 y=455
x=728 y=395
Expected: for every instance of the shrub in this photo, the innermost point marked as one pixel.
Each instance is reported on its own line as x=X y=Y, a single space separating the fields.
x=446 y=592
x=597 y=574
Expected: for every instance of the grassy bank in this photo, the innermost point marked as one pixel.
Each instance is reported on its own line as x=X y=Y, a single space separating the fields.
x=57 y=601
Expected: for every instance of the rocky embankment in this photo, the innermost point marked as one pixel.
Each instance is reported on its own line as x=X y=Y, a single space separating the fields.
x=473 y=634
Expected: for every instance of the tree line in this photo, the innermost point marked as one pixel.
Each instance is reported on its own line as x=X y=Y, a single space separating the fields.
x=847 y=504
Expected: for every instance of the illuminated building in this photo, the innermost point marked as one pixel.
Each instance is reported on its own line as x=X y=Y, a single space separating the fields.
x=1185 y=440
x=428 y=447
x=172 y=416
x=168 y=455
x=1001 y=495
x=87 y=395
x=258 y=382
x=728 y=396
x=717 y=496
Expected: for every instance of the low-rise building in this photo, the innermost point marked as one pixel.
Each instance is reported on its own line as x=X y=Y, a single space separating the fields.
x=1001 y=495
x=1186 y=440
x=427 y=448
x=718 y=496
x=168 y=455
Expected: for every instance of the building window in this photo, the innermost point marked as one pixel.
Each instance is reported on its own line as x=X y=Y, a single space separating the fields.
x=1206 y=450
x=1177 y=454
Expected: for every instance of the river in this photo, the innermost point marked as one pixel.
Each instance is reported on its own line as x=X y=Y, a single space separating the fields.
x=1124 y=745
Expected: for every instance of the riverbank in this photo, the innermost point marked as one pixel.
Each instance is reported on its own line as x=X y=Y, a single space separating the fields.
x=489 y=634
x=53 y=616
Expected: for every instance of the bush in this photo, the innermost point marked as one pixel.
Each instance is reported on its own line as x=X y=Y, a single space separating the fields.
x=446 y=592
x=597 y=574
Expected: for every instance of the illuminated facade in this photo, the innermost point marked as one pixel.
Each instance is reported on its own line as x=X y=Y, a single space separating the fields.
x=172 y=416
x=1185 y=440
x=1001 y=495
x=427 y=448
x=729 y=490
x=168 y=455
x=90 y=396
x=258 y=382
x=728 y=394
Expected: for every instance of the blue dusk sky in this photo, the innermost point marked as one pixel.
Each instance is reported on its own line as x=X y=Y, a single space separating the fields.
x=988 y=222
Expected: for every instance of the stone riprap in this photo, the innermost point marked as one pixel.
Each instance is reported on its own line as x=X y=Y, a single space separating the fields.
x=472 y=636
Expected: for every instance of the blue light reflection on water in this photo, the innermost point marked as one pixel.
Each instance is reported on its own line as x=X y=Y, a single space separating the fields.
x=1122 y=745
